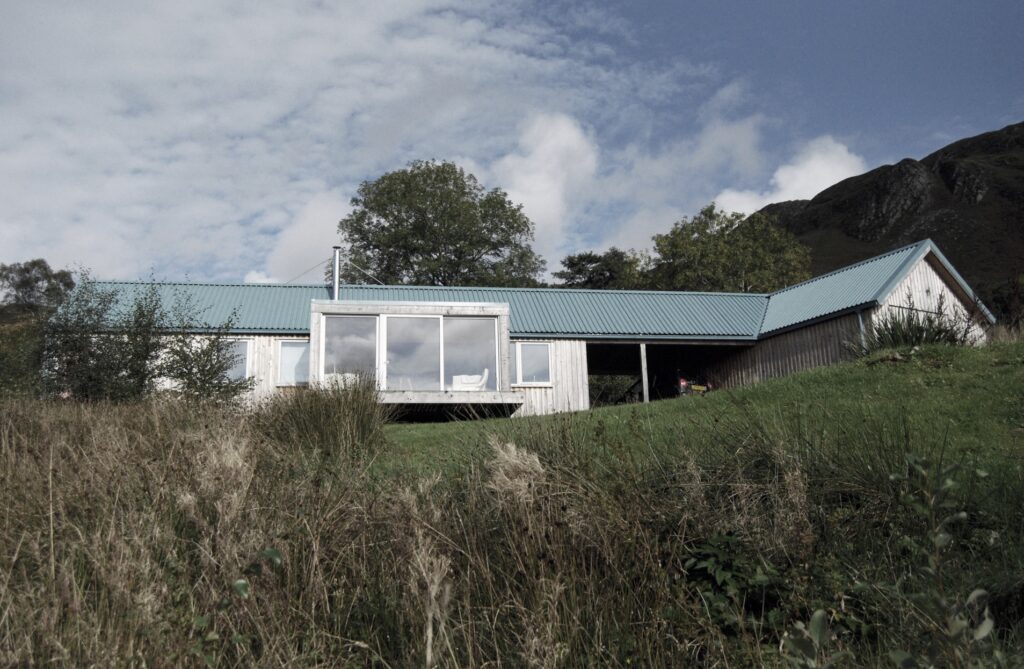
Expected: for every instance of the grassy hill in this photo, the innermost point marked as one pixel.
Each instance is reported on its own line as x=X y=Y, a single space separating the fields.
x=967 y=196
x=702 y=531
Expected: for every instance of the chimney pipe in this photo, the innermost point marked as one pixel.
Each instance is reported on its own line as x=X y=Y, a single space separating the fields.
x=337 y=273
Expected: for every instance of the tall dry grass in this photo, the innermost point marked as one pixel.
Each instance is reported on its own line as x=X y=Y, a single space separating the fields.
x=168 y=534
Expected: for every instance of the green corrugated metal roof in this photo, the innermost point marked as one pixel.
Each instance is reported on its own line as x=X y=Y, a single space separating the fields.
x=595 y=313
x=865 y=283
x=572 y=313
x=836 y=291
x=537 y=312
x=259 y=308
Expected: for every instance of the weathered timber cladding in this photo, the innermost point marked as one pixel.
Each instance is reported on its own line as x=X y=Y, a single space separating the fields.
x=922 y=287
x=264 y=363
x=568 y=390
x=811 y=346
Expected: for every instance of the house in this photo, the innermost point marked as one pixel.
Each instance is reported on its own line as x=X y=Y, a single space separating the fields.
x=532 y=350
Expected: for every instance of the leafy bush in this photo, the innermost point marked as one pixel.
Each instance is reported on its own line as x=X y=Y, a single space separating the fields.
x=99 y=346
x=907 y=326
x=197 y=356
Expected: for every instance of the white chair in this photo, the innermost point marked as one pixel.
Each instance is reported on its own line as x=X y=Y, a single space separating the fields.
x=469 y=382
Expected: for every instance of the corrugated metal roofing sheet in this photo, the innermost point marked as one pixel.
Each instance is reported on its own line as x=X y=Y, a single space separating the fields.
x=596 y=313
x=535 y=312
x=572 y=313
x=837 y=291
x=257 y=307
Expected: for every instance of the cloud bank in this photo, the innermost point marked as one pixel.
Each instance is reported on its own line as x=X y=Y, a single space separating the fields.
x=222 y=141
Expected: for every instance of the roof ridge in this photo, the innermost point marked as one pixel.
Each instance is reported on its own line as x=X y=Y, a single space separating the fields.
x=227 y=284
x=840 y=270
x=555 y=289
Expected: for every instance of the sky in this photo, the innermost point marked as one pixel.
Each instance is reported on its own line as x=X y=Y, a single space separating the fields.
x=222 y=140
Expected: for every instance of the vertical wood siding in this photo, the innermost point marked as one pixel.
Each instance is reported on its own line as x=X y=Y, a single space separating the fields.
x=569 y=389
x=923 y=287
x=264 y=363
x=808 y=347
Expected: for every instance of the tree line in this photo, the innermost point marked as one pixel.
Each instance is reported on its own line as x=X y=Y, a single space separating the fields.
x=432 y=223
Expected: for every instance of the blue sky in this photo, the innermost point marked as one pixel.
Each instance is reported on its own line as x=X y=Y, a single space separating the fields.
x=222 y=140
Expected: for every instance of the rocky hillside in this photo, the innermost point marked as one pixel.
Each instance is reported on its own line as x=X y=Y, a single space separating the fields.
x=968 y=197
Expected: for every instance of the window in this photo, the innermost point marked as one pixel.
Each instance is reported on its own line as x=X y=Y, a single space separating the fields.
x=350 y=346
x=413 y=353
x=530 y=363
x=406 y=351
x=293 y=363
x=239 y=348
x=470 y=353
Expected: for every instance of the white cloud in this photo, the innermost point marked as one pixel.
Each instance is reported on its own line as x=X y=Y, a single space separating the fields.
x=222 y=140
x=554 y=161
x=821 y=163
x=306 y=242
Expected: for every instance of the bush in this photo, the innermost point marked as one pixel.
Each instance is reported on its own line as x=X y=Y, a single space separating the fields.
x=907 y=326
x=99 y=345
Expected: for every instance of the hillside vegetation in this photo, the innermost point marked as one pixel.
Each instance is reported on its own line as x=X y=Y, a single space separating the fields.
x=846 y=514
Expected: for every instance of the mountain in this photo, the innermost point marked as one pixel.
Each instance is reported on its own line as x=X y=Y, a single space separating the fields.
x=968 y=197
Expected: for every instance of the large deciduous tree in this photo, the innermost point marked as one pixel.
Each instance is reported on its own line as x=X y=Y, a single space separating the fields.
x=433 y=224
x=717 y=251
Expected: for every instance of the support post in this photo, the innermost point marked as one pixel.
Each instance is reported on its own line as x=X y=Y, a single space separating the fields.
x=643 y=372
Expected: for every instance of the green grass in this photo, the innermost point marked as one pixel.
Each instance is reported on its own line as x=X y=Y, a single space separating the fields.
x=973 y=396
x=691 y=532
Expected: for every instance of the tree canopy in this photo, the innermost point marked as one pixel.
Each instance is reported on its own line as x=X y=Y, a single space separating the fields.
x=713 y=251
x=718 y=251
x=434 y=224
x=34 y=283
x=613 y=269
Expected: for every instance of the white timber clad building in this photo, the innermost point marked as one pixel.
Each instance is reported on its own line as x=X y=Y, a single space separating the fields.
x=532 y=351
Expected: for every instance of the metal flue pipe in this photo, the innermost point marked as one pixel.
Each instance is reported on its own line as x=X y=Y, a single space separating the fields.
x=336 y=284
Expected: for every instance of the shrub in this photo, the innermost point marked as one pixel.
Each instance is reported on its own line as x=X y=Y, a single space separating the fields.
x=99 y=345
x=197 y=356
x=908 y=326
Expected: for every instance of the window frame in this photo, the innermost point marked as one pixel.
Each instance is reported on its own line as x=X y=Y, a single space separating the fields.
x=381 y=311
x=382 y=351
x=323 y=343
x=498 y=373
x=517 y=375
x=277 y=372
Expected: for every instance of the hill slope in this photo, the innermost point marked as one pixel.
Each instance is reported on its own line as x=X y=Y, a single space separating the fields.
x=968 y=197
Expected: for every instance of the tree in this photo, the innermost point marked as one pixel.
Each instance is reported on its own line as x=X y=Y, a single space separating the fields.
x=34 y=284
x=716 y=251
x=613 y=269
x=434 y=224
x=102 y=345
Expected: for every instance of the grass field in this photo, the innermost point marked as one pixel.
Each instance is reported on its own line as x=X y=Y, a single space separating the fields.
x=842 y=515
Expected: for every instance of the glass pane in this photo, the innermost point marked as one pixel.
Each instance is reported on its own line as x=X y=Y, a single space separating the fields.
x=294 y=363
x=240 y=350
x=414 y=353
x=535 y=363
x=470 y=354
x=350 y=345
x=512 y=373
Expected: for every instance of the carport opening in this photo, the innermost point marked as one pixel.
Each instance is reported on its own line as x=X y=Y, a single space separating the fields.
x=616 y=369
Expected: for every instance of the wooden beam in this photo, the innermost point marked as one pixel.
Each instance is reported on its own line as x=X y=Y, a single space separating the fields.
x=643 y=372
